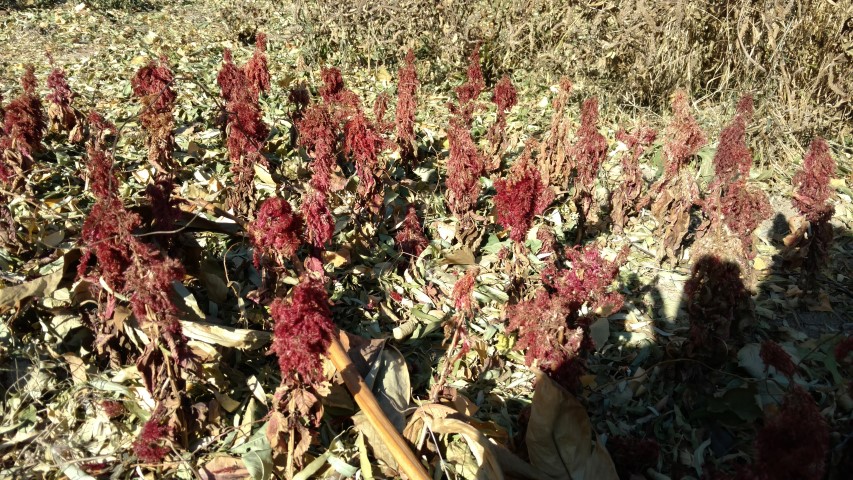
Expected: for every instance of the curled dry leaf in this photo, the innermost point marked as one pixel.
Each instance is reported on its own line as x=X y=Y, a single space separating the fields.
x=225 y=468
x=560 y=439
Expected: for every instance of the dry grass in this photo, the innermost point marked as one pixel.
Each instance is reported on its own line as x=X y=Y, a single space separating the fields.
x=791 y=55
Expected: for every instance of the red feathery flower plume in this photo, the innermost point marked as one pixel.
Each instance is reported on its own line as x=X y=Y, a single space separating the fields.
x=303 y=331
x=773 y=355
x=811 y=199
x=333 y=84
x=60 y=114
x=676 y=192
x=550 y=327
x=363 y=144
x=743 y=209
x=407 y=103
x=380 y=109
x=149 y=281
x=812 y=182
x=246 y=130
x=463 y=291
x=410 y=238
x=318 y=135
x=464 y=169
x=104 y=237
x=505 y=96
x=24 y=122
x=730 y=200
x=153 y=86
x=319 y=223
x=794 y=442
x=230 y=78
x=588 y=153
x=102 y=177
x=684 y=137
x=277 y=230
x=521 y=196
x=733 y=160
x=149 y=447
x=473 y=87
x=335 y=93
x=257 y=72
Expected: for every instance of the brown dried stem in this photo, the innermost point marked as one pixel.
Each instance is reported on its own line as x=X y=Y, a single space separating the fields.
x=396 y=444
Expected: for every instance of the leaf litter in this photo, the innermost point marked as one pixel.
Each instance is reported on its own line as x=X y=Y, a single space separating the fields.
x=63 y=412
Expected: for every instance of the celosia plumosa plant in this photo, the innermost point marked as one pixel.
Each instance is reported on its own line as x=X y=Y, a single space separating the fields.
x=61 y=116
x=468 y=92
x=256 y=69
x=676 y=192
x=551 y=328
x=276 y=231
x=246 y=131
x=152 y=85
x=410 y=238
x=303 y=331
x=588 y=153
x=464 y=169
x=363 y=143
x=811 y=197
x=521 y=196
x=24 y=125
x=733 y=207
x=627 y=194
x=319 y=222
x=407 y=104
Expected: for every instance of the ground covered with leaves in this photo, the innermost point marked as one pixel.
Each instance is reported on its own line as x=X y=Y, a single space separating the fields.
x=236 y=246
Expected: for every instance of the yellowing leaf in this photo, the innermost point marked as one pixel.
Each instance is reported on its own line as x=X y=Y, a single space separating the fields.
x=337 y=259
x=382 y=75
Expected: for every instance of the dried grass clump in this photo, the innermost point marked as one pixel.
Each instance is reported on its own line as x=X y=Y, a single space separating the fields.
x=791 y=55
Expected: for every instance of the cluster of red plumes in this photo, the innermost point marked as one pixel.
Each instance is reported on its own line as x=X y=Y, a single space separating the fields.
x=24 y=124
x=246 y=129
x=114 y=256
x=407 y=104
x=740 y=207
x=276 y=230
x=61 y=115
x=153 y=86
x=303 y=331
x=551 y=328
x=521 y=197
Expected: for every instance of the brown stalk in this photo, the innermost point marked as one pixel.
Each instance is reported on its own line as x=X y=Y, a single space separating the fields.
x=396 y=444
